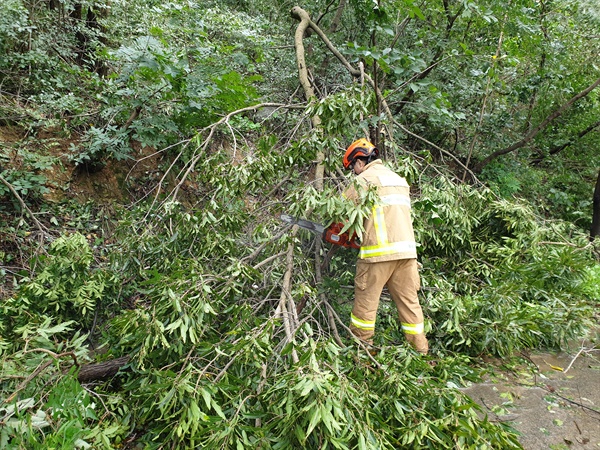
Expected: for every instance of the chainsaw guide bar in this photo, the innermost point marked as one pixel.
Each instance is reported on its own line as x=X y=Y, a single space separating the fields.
x=316 y=228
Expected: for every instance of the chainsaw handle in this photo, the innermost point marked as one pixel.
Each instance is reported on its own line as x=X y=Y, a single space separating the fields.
x=333 y=235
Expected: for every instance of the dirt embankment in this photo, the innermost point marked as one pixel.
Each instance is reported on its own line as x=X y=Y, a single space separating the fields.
x=119 y=181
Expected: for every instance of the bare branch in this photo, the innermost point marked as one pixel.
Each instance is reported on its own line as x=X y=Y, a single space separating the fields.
x=357 y=340
x=52 y=354
x=281 y=310
x=199 y=152
x=268 y=260
x=40 y=368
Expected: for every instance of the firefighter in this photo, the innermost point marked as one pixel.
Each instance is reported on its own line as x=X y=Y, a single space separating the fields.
x=388 y=255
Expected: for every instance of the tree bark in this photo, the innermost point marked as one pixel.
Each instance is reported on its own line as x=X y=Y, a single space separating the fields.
x=533 y=133
x=595 y=229
x=101 y=371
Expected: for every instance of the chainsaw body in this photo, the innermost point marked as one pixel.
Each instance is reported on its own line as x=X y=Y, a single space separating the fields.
x=333 y=235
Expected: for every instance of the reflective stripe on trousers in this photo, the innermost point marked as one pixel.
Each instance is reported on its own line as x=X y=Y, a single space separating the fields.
x=362 y=324
x=413 y=328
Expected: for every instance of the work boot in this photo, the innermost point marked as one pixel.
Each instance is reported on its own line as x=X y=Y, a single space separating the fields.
x=419 y=342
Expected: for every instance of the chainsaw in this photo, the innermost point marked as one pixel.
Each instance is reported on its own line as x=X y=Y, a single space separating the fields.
x=331 y=234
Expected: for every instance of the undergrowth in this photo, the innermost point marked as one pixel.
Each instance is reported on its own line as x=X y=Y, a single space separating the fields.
x=182 y=291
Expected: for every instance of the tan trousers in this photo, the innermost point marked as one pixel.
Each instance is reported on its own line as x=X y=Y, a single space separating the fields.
x=402 y=279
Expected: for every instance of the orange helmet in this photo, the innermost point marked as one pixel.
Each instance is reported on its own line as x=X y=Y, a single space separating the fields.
x=359 y=149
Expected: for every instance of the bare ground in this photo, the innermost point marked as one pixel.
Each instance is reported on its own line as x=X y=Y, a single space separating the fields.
x=552 y=399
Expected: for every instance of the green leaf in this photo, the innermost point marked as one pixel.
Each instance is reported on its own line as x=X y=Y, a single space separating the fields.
x=315 y=418
x=218 y=410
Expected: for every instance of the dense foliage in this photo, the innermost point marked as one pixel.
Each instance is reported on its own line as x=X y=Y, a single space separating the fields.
x=230 y=325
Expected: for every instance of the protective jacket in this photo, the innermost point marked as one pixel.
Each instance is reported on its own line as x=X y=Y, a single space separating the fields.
x=388 y=232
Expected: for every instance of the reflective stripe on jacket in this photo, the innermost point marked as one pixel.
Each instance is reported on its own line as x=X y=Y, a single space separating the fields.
x=388 y=231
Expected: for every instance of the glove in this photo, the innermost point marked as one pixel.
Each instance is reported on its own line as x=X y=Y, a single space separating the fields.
x=333 y=236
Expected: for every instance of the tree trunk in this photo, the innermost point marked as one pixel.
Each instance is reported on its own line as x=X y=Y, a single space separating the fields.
x=595 y=229
x=87 y=27
x=335 y=23
x=305 y=22
x=101 y=371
